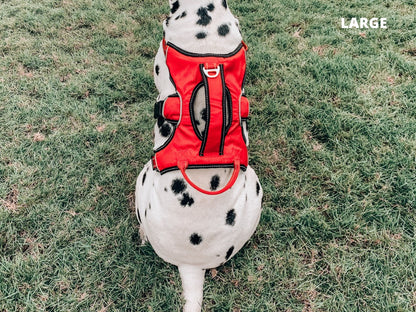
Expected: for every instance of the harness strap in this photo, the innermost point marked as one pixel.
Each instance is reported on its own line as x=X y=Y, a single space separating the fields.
x=213 y=78
x=169 y=109
x=182 y=165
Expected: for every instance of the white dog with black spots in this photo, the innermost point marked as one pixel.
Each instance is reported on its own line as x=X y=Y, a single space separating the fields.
x=189 y=229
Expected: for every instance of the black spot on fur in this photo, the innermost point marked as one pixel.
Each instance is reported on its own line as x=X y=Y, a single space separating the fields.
x=230 y=220
x=201 y=35
x=204 y=114
x=144 y=178
x=157 y=69
x=178 y=186
x=166 y=189
x=229 y=253
x=257 y=188
x=238 y=27
x=223 y=30
x=211 y=7
x=150 y=207
x=175 y=7
x=215 y=182
x=224 y=3
x=181 y=16
x=167 y=21
x=195 y=239
x=187 y=200
x=165 y=130
x=204 y=18
x=138 y=215
x=145 y=213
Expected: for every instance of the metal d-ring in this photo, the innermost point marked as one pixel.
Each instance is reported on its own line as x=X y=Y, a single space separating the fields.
x=208 y=71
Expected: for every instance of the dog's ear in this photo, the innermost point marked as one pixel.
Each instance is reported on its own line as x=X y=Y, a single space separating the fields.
x=174 y=5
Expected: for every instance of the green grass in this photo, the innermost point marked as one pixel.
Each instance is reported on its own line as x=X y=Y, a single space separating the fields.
x=332 y=138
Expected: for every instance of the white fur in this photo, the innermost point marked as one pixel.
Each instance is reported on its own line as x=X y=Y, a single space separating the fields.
x=166 y=222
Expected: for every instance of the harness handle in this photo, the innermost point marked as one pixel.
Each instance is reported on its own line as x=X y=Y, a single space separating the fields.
x=182 y=165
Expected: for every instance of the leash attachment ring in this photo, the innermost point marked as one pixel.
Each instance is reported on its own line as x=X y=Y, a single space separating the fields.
x=208 y=71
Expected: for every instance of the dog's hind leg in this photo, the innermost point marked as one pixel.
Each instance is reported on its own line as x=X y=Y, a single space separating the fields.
x=142 y=200
x=143 y=237
x=192 y=284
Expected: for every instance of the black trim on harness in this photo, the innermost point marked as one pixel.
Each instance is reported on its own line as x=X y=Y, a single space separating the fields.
x=213 y=166
x=230 y=109
x=174 y=126
x=205 y=136
x=226 y=110
x=192 y=111
x=239 y=47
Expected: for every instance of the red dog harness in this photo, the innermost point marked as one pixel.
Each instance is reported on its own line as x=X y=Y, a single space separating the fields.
x=222 y=143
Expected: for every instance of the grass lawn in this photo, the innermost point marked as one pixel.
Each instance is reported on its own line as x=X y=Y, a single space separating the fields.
x=332 y=138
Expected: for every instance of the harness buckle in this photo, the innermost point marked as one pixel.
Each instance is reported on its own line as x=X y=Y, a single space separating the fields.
x=211 y=72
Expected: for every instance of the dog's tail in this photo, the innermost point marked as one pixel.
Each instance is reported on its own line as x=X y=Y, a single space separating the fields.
x=192 y=285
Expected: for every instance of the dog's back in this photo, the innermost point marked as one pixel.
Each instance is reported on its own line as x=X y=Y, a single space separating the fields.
x=185 y=227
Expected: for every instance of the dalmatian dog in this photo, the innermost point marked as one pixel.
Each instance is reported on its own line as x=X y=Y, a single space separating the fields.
x=185 y=227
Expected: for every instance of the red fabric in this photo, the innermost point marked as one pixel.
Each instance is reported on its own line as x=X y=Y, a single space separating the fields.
x=245 y=108
x=172 y=108
x=215 y=112
x=185 y=145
